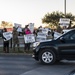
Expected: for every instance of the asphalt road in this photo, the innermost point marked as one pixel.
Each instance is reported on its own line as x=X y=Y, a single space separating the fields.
x=26 y=65
x=16 y=64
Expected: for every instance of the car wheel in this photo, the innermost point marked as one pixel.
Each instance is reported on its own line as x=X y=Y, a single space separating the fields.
x=47 y=56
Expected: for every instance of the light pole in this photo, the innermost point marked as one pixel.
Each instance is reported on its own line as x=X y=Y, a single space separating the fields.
x=65 y=7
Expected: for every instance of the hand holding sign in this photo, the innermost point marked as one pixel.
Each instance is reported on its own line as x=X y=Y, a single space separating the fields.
x=7 y=35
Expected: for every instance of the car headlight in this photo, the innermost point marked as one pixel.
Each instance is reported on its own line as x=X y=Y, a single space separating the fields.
x=36 y=44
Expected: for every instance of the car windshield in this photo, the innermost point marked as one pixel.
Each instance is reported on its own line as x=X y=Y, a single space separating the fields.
x=57 y=35
x=66 y=35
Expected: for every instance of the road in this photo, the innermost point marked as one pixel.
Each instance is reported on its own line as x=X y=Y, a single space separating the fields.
x=16 y=64
x=21 y=64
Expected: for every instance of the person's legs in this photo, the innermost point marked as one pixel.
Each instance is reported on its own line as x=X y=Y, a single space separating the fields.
x=19 y=33
x=18 y=47
x=14 y=46
x=4 y=47
x=8 y=47
x=24 y=46
x=28 y=46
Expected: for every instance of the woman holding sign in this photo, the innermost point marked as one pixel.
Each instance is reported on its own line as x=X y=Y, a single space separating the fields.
x=27 y=31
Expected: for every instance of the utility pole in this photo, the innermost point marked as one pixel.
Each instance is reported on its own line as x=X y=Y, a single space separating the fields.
x=65 y=7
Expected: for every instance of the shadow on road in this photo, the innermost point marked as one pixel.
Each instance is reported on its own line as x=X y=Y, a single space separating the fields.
x=62 y=62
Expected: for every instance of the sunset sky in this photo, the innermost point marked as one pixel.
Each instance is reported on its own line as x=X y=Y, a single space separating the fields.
x=32 y=11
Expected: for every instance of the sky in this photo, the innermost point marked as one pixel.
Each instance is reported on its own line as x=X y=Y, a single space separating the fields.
x=32 y=11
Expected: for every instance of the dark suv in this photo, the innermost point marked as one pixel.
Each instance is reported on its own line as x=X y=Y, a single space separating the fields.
x=51 y=51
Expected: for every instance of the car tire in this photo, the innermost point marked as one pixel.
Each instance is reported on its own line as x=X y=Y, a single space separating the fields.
x=47 y=56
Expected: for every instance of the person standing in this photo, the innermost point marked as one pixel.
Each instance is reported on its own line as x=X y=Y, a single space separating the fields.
x=49 y=35
x=27 y=31
x=5 y=42
x=15 y=39
x=52 y=32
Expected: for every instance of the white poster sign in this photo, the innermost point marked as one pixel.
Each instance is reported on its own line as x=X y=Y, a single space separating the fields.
x=17 y=25
x=30 y=38
x=64 y=21
x=7 y=35
x=41 y=34
x=38 y=38
x=41 y=37
x=45 y=30
x=31 y=27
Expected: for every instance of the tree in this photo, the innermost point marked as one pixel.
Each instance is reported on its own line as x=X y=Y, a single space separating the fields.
x=53 y=18
x=5 y=24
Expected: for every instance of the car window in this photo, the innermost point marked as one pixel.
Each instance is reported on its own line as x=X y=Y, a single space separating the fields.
x=67 y=37
x=70 y=35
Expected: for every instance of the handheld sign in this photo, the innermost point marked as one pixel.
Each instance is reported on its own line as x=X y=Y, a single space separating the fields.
x=45 y=30
x=64 y=21
x=41 y=37
x=7 y=35
x=31 y=27
x=30 y=38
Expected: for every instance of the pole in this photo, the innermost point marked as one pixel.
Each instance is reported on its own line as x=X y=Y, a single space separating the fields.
x=65 y=8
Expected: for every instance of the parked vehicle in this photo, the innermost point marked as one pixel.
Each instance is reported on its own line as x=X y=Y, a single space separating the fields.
x=48 y=52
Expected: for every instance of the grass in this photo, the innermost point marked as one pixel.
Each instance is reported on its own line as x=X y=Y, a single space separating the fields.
x=16 y=50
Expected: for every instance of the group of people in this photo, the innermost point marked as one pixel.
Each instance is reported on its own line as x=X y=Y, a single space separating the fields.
x=50 y=33
x=15 y=40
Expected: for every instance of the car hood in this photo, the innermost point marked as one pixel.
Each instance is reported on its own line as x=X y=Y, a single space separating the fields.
x=48 y=42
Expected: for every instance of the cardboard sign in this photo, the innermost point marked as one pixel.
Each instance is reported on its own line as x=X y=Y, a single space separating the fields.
x=17 y=25
x=64 y=21
x=7 y=35
x=31 y=27
x=30 y=38
x=45 y=30
x=38 y=38
x=41 y=36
